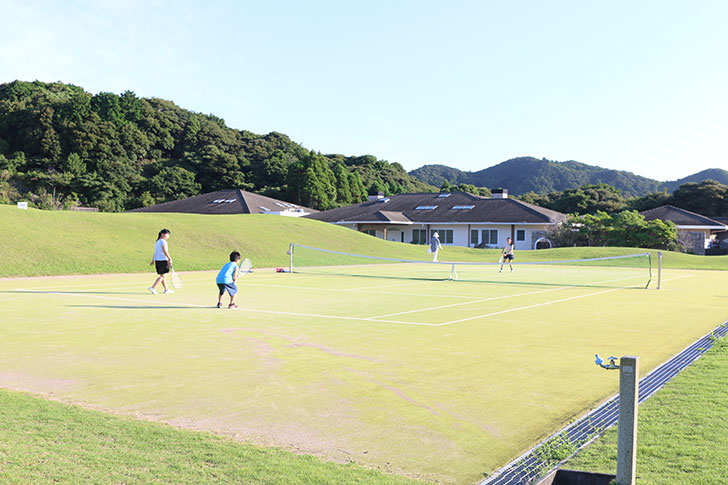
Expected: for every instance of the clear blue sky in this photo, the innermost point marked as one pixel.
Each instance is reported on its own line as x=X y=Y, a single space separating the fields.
x=630 y=85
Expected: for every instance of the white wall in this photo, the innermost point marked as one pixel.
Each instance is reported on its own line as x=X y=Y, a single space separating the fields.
x=461 y=233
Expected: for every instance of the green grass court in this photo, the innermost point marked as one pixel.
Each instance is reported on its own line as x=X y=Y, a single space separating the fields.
x=440 y=380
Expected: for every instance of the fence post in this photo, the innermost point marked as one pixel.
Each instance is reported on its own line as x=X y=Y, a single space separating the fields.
x=629 y=373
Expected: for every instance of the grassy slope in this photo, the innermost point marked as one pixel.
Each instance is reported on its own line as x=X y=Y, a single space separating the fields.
x=683 y=429
x=37 y=243
x=43 y=441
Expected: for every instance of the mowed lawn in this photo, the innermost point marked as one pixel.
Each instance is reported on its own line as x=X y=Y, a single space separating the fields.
x=439 y=380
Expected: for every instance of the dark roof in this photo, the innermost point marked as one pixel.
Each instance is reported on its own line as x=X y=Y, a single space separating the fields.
x=680 y=217
x=229 y=201
x=402 y=208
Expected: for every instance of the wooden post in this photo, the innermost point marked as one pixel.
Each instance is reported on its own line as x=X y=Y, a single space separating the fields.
x=629 y=374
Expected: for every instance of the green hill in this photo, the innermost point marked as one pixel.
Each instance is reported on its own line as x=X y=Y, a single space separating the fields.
x=37 y=243
x=527 y=174
x=62 y=146
x=717 y=174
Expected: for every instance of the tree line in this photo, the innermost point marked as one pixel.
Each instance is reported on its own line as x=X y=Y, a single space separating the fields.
x=61 y=146
x=708 y=198
x=600 y=216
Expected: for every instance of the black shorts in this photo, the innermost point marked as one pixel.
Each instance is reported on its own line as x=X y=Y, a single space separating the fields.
x=508 y=257
x=162 y=266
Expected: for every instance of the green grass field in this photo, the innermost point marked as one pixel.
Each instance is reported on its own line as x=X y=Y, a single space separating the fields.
x=42 y=441
x=440 y=380
x=437 y=380
x=43 y=243
x=682 y=432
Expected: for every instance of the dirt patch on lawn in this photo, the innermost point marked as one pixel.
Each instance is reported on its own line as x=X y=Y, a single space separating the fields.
x=18 y=381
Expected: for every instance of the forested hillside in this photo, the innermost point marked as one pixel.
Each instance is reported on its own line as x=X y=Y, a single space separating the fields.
x=61 y=146
x=708 y=198
x=527 y=174
x=717 y=174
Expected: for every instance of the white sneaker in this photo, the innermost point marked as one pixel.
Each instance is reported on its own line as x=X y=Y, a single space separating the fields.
x=168 y=291
x=511 y=270
x=152 y=290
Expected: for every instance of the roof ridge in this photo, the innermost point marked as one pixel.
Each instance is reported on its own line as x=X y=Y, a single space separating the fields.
x=685 y=211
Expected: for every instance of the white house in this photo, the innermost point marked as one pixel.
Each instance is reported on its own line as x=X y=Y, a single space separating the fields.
x=461 y=219
x=695 y=231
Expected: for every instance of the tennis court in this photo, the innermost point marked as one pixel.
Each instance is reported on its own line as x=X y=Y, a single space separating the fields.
x=393 y=368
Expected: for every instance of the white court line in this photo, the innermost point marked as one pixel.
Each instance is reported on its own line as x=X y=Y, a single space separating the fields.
x=355 y=290
x=543 y=304
x=361 y=319
x=193 y=305
x=468 y=302
x=501 y=297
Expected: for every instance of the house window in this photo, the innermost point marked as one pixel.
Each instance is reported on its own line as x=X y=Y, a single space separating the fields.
x=474 y=237
x=371 y=232
x=520 y=234
x=490 y=237
x=419 y=236
x=445 y=235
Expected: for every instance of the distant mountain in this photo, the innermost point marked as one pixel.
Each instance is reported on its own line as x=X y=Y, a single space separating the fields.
x=717 y=174
x=529 y=174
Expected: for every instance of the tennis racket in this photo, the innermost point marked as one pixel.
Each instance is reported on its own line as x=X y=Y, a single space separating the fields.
x=246 y=267
x=500 y=261
x=176 y=279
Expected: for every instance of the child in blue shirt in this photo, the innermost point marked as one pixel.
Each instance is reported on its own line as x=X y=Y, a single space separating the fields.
x=226 y=279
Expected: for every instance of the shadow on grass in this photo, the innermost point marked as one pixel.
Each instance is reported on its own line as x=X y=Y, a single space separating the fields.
x=145 y=307
x=71 y=292
x=485 y=280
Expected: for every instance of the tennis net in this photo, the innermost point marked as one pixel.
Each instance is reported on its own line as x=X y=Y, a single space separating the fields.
x=628 y=271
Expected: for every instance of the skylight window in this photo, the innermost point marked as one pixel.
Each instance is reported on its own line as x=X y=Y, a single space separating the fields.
x=463 y=207
x=279 y=204
x=230 y=200
x=386 y=199
x=442 y=196
x=264 y=208
x=425 y=207
x=217 y=201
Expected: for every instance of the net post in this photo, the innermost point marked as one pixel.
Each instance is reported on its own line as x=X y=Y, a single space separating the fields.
x=453 y=273
x=659 y=269
x=290 y=258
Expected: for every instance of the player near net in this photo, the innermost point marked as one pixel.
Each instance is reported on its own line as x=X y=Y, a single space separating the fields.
x=507 y=255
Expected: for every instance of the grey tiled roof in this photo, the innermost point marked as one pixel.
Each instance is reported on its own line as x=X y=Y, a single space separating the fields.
x=483 y=210
x=234 y=201
x=680 y=217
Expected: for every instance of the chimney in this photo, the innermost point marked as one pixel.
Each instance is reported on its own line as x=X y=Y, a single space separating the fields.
x=499 y=194
x=380 y=195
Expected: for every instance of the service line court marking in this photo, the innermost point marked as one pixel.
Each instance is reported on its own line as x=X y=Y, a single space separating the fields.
x=504 y=297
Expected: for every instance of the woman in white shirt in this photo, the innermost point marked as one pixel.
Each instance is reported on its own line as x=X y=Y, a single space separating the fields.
x=507 y=255
x=162 y=261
